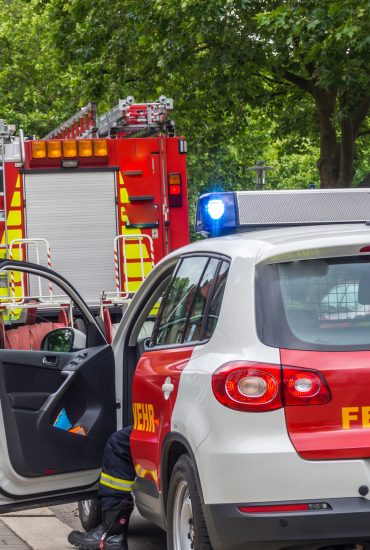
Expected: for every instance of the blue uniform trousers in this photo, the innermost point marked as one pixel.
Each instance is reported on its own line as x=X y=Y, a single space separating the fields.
x=118 y=471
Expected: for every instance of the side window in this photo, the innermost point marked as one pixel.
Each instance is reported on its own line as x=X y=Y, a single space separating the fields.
x=141 y=335
x=145 y=334
x=178 y=302
x=32 y=307
x=197 y=310
x=216 y=301
x=191 y=306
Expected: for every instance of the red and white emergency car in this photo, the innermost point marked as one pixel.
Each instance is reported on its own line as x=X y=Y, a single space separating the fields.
x=101 y=199
x=249 y=398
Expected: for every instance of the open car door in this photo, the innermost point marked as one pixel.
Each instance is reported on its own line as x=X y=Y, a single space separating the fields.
x=57 y=389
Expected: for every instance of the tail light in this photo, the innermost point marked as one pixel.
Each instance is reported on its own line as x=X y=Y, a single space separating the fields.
x=255 y=387
x=305 y=387
x=246 y=386
x=174 y=190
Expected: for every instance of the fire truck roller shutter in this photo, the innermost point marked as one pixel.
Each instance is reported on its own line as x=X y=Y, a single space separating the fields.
x=76 y=214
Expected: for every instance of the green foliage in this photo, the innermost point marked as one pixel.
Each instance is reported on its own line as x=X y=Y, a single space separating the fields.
x=33 y=92
x=332 y=36
x=246 y=75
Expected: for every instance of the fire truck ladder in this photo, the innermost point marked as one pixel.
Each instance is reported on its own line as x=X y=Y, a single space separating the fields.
x=6 y=132
x=130 y=117
x=17 y=296
x=80 y=125
x=126 y=118
x=21 y=244
x=122 y=293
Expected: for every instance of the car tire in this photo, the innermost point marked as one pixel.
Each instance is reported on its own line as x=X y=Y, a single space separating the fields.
x=186 y=526
x=90 y=513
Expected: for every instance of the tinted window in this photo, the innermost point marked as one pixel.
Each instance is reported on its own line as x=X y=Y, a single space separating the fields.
x=216 y=301
x=197 y=310
x=179 y=300
x=315 y=304
x=192 y=304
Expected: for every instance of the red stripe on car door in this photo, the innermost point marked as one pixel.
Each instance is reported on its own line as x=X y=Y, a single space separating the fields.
x=152 y=410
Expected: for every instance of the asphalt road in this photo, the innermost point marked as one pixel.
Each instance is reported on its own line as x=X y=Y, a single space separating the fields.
x=143 y=535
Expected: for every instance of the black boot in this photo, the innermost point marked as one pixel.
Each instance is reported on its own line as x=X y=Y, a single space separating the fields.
x=116 y=522
x=87 y=541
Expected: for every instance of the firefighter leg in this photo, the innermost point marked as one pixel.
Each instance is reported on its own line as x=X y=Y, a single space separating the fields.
x=116 y=482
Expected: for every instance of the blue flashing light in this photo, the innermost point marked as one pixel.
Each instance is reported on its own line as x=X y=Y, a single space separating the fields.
x=215 y=208
x=216 y=214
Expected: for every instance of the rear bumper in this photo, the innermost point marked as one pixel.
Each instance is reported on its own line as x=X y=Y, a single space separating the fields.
x=347 y=521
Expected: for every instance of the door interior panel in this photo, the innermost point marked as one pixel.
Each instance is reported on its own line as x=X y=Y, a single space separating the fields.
x=32 y=396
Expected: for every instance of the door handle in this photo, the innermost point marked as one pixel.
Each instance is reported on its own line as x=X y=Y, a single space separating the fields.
x=50 y=361
x=167 y=387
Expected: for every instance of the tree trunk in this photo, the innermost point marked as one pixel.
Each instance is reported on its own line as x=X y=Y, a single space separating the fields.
x=335 y=164
x=329 y=163
x=346 y=170
x=336 y=159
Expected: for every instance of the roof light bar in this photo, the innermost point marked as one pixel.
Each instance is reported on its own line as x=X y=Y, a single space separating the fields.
x=216 y=214
x=42 y=151
x=231 y=212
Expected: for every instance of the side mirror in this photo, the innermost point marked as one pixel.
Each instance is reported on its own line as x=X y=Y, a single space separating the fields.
x=63 y=340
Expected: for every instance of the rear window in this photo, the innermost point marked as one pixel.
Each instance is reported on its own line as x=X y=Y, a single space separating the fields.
x=315 y=304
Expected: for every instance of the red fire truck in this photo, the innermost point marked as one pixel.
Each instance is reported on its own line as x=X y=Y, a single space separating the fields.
x=101 y=199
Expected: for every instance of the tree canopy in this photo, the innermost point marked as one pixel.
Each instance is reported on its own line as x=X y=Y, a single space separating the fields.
x=283 y=80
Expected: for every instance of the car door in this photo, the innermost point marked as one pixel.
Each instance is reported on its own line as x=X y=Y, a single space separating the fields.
x=184 y=320
x=57 y=389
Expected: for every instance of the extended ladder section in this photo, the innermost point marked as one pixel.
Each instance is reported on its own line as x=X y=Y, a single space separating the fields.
x=125 y=119
x=81 y=124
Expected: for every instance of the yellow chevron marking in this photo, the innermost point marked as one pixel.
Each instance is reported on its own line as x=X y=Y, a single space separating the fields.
x=133 y=250
x=16 y=200
x=12 y=235
x=123 y=190
x=134 y=269
x=15 y=217
x=143 y=472
x=133 y=286
x=123 y=195
x=16 y=254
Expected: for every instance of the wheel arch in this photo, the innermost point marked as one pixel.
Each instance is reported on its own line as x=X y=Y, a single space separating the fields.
x=174 y=446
